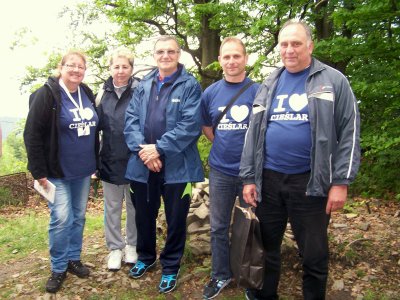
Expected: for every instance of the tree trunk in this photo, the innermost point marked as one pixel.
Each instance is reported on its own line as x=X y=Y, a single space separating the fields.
x=325 y=30
x=209 y=49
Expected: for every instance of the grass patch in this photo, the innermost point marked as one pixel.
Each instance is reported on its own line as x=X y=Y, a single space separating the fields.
x=23 y=235
x=6 y=197
x=28 y=234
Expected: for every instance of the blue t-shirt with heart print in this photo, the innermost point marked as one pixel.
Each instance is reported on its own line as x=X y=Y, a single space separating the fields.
x=228 y=142
x=288 y=135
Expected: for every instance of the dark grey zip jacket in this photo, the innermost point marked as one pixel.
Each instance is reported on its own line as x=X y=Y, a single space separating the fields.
x=335 y=131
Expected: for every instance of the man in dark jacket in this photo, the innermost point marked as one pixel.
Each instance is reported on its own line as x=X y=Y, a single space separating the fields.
x=163 y=124
x=301 y=153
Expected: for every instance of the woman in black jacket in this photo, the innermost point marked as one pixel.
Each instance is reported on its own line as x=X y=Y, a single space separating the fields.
x=114 y=155
x=60 y=139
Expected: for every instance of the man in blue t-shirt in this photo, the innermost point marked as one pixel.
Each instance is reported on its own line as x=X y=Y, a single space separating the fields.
x=224 y=158
x=301 y=153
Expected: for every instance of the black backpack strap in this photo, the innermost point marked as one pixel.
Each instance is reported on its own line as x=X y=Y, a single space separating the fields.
x=222 y=114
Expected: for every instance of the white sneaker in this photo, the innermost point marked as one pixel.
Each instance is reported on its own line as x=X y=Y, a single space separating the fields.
x=131 y=255
x=114 y=260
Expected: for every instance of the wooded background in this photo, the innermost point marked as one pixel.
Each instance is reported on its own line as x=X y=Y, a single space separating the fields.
x=359 y=38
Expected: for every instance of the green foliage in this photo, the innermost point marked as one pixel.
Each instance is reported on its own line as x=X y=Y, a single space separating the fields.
x=14 y=158
x=204 y=146
x=360 y=38
x=373 y=53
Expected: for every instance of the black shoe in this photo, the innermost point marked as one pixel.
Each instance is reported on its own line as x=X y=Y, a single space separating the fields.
x=77 y=268
x=249 y=295
x=55 y=281
x=214 y=287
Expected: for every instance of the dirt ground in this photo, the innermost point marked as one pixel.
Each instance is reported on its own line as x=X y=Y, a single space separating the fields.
x=364 y=264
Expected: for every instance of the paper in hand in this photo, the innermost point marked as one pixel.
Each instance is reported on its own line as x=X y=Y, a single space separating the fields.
x=48 y=193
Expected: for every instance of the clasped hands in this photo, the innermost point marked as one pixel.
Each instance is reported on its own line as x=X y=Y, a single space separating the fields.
x=150 y=157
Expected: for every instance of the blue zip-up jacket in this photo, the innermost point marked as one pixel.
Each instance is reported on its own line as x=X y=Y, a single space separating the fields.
x=335 y=131
x=178 y=145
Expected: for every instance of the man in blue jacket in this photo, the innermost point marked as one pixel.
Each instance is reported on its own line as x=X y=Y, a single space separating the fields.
x=162 y=126
x=301 y=152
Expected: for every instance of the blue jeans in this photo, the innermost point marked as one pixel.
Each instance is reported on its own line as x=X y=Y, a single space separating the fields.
x=283 y=199
x=223 y=192
x=67 y=220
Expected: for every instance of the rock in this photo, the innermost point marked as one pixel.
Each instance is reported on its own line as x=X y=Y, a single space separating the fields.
x=193 y=227
x=338 y=225
x=200 y=248
x=185 y=278
x=205 y=237
x=363 y=226
x=191 y=218
x=201 y=185
x=15 y=251
x=19 y=287
x=90 y=265
x=351 y=216
x=207 y=190
x=196 y=194
x=109 y=280
x=134 y=285
x=200 y=229
x=338 y=285
x=80 y=281
x=49 y=296
x=397 y=214
x=202 y=212
x=196 y=204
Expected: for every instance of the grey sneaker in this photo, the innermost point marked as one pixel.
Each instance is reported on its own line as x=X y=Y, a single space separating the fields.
x=214 y=287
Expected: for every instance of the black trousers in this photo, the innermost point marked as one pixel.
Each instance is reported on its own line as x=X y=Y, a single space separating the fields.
x=147 y=200
x=283 y=199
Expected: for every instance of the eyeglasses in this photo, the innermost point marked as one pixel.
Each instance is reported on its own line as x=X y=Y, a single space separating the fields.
x=73 y=67
x=169 y=52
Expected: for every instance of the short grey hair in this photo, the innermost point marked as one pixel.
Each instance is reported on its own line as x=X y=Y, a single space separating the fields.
x=164 y=38
x=307 y=28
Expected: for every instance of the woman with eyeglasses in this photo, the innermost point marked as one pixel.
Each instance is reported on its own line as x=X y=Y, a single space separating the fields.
x=61 y=142
x=113 y=99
